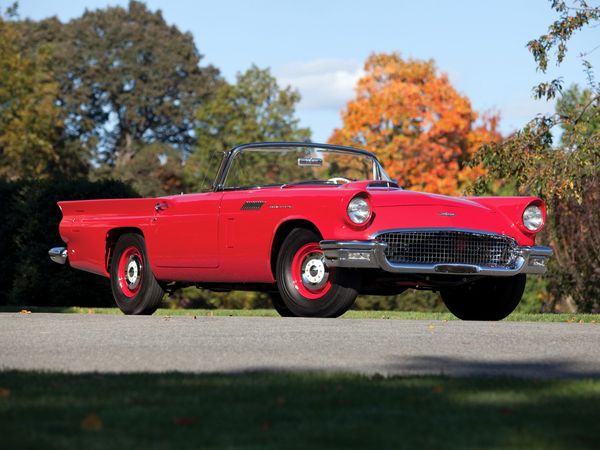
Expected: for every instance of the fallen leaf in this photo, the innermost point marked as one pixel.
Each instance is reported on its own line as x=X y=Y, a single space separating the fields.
x=4 y=392
x=25 y=311
x=91 y=423
x=183 y=421
x=445 y=320
x=437 y=389
x=90 y=311
x=431 y=327
x=581 y=321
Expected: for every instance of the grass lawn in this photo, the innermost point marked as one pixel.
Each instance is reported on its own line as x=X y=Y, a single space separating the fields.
x=403 y=315
x=294 y=411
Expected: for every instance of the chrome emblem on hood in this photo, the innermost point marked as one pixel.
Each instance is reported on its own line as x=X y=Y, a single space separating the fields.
x=446 y=213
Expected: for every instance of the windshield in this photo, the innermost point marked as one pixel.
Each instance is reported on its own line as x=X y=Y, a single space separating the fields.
x=274 y=166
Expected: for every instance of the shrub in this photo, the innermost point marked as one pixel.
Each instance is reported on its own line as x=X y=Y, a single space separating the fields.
x=30 y=227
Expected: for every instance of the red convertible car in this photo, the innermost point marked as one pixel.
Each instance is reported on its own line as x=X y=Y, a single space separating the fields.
x=314 y=225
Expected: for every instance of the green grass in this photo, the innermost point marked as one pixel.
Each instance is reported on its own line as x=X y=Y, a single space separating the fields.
x=402 y=315
x=294 y=411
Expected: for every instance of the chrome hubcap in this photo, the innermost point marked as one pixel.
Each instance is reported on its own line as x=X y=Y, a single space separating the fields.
x=132 y=272
x=314 y=271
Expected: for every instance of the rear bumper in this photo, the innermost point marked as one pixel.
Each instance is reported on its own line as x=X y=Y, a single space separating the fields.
x=58 y=255
x=371 y=254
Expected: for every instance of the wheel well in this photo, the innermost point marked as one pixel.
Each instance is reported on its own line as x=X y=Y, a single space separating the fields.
x=111 y=239
x=284 y=229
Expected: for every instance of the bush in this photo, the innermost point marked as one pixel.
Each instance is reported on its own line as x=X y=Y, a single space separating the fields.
x=29 y=227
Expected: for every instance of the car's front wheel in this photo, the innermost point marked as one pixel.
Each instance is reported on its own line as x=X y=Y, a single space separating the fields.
x=133 y=285
x=309 y=288
x=279 y=305
x=490 y=298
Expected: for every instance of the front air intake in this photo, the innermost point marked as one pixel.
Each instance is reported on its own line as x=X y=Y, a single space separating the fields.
x=449 y=247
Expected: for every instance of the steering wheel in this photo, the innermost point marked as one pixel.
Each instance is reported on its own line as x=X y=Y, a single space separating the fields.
x=339 y=180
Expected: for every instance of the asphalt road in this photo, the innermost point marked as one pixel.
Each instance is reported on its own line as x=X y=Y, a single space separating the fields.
x=106 y=343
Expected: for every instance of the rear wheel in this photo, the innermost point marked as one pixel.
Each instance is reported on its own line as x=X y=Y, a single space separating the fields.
x=308 y=288
x=133 y=285
x=491 y=298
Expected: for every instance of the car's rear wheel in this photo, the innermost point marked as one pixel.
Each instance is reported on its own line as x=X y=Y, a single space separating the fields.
x=133 y=285
x=308 y=288
x=490 y=298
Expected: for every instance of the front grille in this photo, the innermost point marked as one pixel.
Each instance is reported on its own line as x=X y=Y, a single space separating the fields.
x=449 y=247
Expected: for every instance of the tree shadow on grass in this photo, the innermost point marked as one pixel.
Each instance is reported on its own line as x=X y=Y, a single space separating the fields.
x=278 y=410
x=463 y=367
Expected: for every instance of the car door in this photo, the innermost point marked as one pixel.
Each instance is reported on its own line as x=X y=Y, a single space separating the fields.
x=185 y=231
x=247 y=229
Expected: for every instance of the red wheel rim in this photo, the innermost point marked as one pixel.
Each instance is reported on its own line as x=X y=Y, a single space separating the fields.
x=130 y=271
x=310 y=275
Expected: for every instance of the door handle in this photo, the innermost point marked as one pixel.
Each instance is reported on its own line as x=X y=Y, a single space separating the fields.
x=160 y=206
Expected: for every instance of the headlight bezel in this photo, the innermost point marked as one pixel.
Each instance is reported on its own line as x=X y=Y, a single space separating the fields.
x=533 y=217
x=356 y=213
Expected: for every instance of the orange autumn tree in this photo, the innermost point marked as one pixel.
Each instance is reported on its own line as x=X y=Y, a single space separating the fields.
x=420 y=127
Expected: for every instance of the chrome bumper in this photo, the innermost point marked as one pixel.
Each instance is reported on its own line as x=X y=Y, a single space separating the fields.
x=58 y=255
x=370 y=254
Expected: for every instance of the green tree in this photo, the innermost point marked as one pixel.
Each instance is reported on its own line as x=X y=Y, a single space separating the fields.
x=572 y=103
x=567 y=176
x=31 y=124
x=572 y=18
x=254 y=109
x=126 y=79
x=155 y=170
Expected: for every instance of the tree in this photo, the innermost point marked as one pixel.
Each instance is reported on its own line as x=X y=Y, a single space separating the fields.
x=572 y=18
x=567 y=176
x=254 y=109
x=572 y=103
x=126 y=78
x=155 y=170
x=421 y=128
x=30 y=123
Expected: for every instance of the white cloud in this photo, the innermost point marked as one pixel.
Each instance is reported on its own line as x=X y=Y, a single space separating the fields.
x=325 y=84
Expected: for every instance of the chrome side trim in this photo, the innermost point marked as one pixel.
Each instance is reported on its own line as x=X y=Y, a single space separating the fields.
x=58 y=255
x=370 y=254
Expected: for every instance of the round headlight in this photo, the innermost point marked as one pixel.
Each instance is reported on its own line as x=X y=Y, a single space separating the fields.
x=359 y=210
x=533 y=218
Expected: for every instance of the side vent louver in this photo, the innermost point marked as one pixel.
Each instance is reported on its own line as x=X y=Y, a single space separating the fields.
x=253 y=205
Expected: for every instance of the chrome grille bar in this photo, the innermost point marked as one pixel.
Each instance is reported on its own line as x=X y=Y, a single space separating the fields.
x=449 y=247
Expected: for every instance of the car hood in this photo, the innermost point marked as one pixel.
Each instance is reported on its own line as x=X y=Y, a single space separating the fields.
x=396 y=208
x=399 y=197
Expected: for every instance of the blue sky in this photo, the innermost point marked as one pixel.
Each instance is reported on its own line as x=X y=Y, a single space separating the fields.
x=319 y=47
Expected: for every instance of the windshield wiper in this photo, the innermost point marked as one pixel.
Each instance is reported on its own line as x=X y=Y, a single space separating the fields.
x=300 y=183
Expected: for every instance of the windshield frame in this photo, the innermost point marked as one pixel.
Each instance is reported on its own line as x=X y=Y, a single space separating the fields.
x=219 y=183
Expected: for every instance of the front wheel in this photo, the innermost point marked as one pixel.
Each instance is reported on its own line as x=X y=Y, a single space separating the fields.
x=279 y=305
x=490 y=298
x=309 y=288
x=133 y=285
